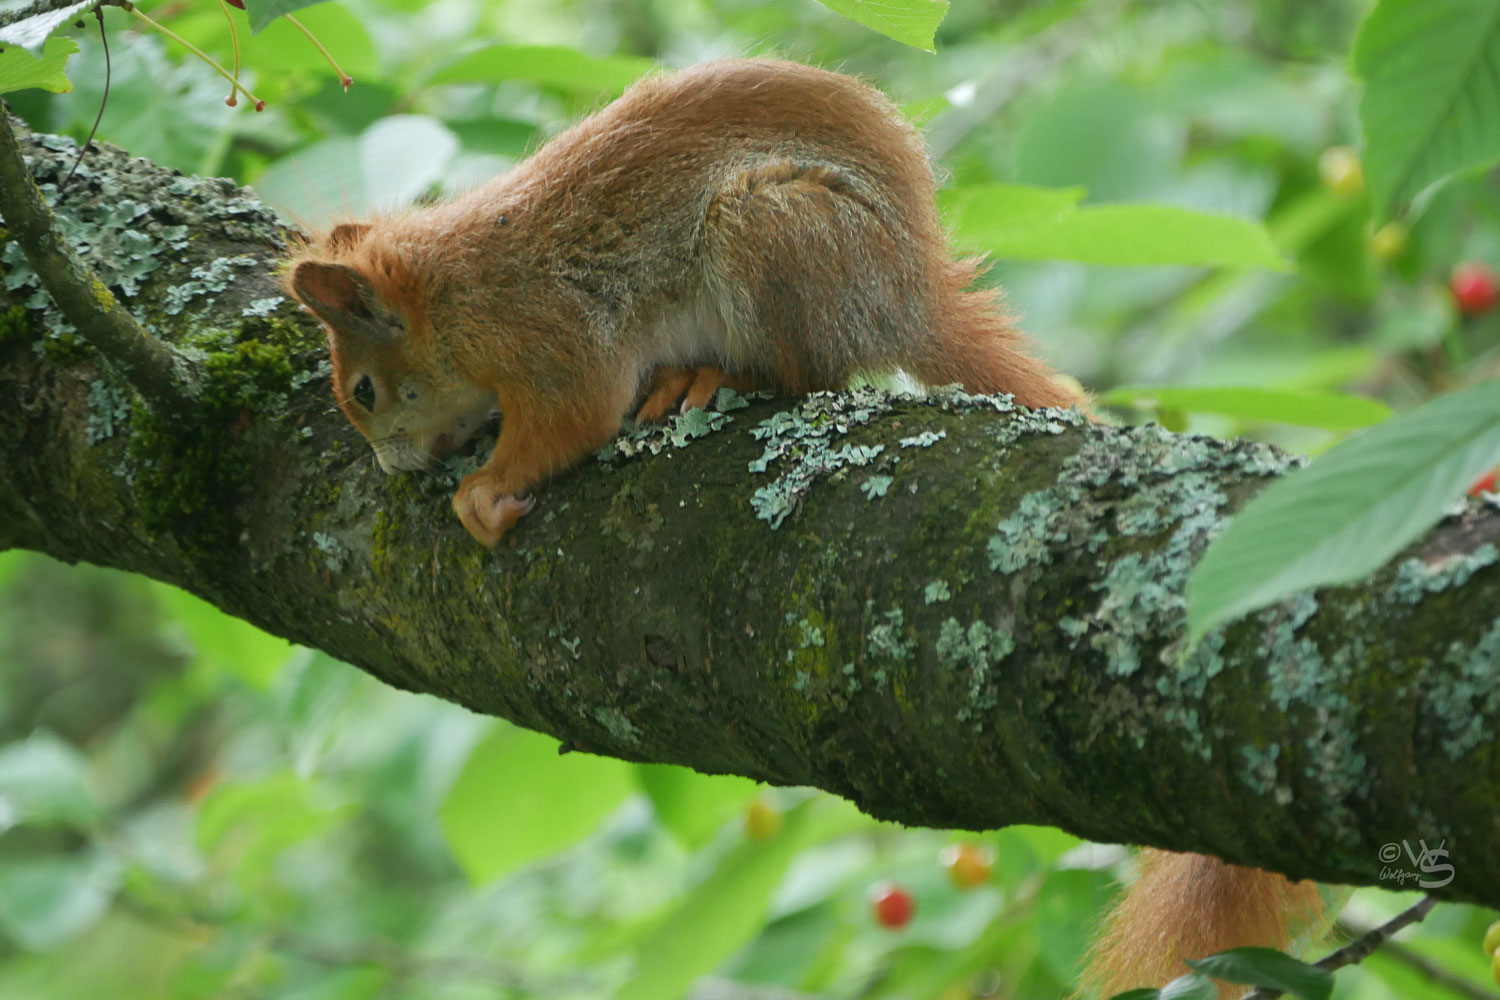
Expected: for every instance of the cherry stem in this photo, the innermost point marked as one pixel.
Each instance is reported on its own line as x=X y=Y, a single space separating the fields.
x=256 y=101
x=103 y=40
x=234 y=40
x=344 y=78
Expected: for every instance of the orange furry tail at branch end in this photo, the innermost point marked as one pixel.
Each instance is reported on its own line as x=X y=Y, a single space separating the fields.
x=1187 y=906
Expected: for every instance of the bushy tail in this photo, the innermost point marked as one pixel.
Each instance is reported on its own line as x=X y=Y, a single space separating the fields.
x=978 y=346
x=1187 y=906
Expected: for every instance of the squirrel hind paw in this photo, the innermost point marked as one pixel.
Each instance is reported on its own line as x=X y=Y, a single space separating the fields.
x=487 y=512
x=706 y=382
x=696 y=388
x=667 y=386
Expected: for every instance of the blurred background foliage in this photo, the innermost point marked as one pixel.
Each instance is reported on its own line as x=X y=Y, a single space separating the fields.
x=191 y=809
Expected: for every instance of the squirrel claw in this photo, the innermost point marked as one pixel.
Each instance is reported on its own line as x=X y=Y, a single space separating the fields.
x=488 y=512
x=706 y=383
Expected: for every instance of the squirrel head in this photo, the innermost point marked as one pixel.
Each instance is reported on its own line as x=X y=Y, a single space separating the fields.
x=387 y=381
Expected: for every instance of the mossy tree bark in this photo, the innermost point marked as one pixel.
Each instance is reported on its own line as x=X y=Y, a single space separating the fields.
x=953 y=613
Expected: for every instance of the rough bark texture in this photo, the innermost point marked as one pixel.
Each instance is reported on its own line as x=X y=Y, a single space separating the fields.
x=952 y=612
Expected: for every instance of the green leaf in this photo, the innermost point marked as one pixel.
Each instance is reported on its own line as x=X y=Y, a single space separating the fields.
x=246 y=825
x=317 y=184
x=12 y=562
x=166 y=110
x=992 y=212
x=1354 y=508
x=363 y=982
x=547 y=65
x=31 y=32
x=402 y=156
x=223 y=641
x=789 y=945
x=718 y=918
x=1431 y=106
x=1134 y=235
x=1268 y=968
x=1329 y=410
x=263 y=12
x=913 y=22
x=313 y=689
x=45 y=780
x=518 y=801
x=20 y=70
x=1189 y=987
x=1064 y=915
x=1131 y=146
x=46 y=901
x=1031 y=223
x=392 y=162
x=264 y=815
x=281 y=55
x=693 y=806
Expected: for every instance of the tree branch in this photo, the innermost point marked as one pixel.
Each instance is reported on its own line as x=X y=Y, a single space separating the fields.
x=952 y=612
x=1435 y=973
x=1358 y=950
x=163 y=377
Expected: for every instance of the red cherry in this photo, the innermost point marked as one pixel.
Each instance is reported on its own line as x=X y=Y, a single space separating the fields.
x=1475 y=288
x=237 y=4
x=892 y=905
x=1484 y=484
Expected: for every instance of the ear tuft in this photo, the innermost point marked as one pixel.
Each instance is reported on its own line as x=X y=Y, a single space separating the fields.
x=345 y=300
x=330 y=288
x=346 y=234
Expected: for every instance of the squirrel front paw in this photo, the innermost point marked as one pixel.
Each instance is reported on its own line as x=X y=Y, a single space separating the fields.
x=486 y=510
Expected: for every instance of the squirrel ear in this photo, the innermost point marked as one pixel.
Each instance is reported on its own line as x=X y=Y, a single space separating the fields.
x=346 y=235
x=344 y=298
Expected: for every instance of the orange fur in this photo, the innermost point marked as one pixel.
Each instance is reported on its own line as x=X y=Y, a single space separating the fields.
x=695 y=387
x=1187 y=906
x=754 y=217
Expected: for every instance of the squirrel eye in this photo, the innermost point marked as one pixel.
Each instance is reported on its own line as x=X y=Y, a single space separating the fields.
x=364 y=393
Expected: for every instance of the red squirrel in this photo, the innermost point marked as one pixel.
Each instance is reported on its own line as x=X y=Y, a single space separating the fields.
x=749 y=222
x=1188 y=906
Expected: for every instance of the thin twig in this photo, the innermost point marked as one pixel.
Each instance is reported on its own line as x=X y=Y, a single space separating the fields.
x=153 y=368
x=104 y=41
x=1396 y=951
x=234 y=82
x=1359 y=949
x=234 y=41
x=344 y=79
